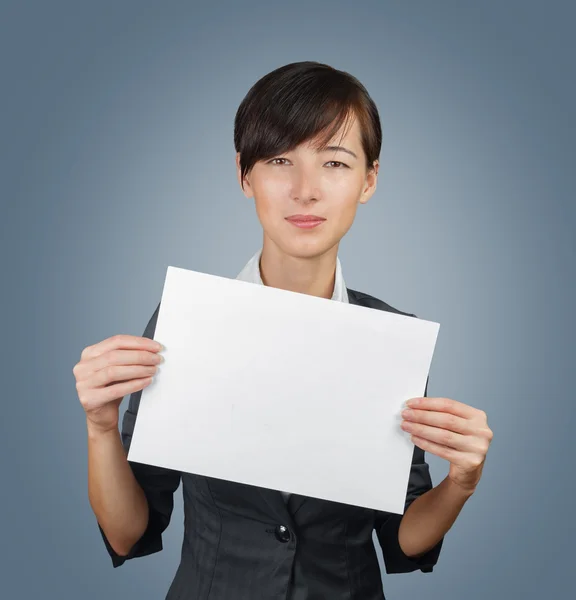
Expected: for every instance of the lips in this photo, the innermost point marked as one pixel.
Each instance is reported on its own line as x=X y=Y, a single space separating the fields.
x=305 y=219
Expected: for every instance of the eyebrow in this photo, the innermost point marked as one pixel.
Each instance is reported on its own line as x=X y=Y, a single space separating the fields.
x=336 y=148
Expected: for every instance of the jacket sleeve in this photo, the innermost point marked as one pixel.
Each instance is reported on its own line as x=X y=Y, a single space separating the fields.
x=158 y=484
x=387 y=524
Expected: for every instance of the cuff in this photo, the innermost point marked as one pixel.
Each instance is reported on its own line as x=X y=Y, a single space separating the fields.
x=149 y=543
x=395 y=560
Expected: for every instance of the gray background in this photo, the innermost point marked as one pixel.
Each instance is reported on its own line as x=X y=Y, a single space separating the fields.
x=117 y=161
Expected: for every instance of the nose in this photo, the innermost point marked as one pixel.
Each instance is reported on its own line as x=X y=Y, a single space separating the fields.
x=305 y=185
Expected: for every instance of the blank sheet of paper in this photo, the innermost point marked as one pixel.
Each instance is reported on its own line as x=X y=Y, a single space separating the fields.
x=283 y=390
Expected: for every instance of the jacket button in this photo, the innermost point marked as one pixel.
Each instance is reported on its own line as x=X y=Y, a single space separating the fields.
x=282 y=534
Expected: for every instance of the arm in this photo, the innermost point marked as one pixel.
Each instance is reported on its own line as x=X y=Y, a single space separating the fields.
x=133 y=502
x=155 y=487
x=388 y=524
x=116 y=498
x=460 y=434
x=430 y=517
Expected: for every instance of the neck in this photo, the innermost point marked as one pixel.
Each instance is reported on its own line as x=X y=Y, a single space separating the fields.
x=314 y=276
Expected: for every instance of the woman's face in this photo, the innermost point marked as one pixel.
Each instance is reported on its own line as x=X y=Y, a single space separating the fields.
x=328 y=184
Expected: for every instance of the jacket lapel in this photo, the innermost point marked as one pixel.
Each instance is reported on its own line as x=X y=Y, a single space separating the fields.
x=276 y=502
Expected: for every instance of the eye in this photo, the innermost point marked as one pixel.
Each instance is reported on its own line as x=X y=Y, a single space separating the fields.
x=335 y=162
x=278 y=158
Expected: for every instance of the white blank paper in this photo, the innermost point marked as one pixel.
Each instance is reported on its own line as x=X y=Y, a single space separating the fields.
x=283 y=390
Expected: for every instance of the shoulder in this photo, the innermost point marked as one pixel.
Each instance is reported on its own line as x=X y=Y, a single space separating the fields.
x=363 y=299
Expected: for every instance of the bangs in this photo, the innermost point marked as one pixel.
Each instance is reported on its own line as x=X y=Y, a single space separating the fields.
x=302 y=102
x=299 y=114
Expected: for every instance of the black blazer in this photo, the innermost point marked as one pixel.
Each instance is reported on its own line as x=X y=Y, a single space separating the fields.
x=243 y=542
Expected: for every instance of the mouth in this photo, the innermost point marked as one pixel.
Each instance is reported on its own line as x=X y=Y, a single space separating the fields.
x=305 y=221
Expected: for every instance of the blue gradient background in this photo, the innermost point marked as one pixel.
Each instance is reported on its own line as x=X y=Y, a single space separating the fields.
x=117 y=160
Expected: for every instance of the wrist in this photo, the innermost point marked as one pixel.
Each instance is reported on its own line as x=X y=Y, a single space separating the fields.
x=99 y=432
x=456 y=488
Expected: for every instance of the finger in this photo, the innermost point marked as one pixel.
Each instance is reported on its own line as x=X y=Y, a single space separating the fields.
x=451 y=455
x=119 y=373
x=116 y=357
x=438 y=419
x=120 y=341
x=441 y=436
x=96 y=398
x=444 y=405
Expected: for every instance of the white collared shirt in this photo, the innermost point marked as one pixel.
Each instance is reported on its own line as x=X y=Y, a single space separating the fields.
x=251 y=273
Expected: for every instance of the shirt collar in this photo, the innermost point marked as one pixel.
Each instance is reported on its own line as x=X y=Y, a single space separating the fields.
x=251 y=273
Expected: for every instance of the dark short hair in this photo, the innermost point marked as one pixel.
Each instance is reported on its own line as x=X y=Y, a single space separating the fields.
x=300 y=102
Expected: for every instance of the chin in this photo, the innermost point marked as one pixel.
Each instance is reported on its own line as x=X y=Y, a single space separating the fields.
x=301 y=247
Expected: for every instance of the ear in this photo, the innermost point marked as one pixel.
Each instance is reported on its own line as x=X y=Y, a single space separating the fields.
x=246 y=188
x=371 y=182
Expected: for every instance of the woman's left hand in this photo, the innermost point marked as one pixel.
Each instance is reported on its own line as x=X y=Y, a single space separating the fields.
x=451 y=430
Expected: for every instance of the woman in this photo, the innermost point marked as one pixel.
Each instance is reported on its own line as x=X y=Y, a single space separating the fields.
x=307 y=138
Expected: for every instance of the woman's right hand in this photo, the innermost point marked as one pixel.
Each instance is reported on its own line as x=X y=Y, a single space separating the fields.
x=111 y=369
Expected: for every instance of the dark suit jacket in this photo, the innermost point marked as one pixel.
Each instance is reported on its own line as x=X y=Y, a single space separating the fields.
x=243 y=542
